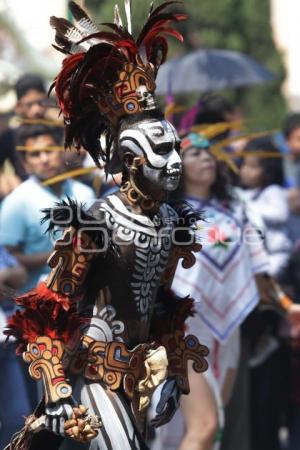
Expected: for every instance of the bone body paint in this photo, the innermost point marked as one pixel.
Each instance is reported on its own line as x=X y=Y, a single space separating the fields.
x=158 y=142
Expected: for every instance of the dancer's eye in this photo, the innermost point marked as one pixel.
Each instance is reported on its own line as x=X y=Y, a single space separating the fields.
x=163 y=149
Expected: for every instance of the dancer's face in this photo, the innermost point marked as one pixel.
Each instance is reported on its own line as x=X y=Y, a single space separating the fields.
x=157 y=142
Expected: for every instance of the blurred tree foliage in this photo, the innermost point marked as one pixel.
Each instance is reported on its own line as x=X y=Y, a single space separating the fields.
x=242 y=25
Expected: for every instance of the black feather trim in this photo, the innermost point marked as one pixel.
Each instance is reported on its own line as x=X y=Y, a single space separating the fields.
x=63 y=45
x=170 y=313
x=186 y=213
x=163 y=6
x=163 y=19
x=61 y=50
x=77 y=12
x=187 y=218
x=71 y=214
x=61 y=25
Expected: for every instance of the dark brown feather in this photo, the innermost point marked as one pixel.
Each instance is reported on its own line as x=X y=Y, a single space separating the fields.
x=163 y=6
x=86 y=76
x=155 y=21
x=61 y=25
x=82 y=18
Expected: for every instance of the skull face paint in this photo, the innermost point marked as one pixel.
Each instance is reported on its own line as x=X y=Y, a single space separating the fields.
x=157 y=141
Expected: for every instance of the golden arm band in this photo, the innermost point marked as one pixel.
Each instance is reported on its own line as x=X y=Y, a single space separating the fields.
x=45 y=358
x=70 y=262
x=180 y=349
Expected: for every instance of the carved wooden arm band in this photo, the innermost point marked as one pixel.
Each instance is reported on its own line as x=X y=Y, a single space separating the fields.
x=45 y=358
x=180 y=349
x=110 y=362
x=70 y=262
x=139 y=371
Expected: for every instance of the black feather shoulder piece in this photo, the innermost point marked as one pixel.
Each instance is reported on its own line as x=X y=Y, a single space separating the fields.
x=70 y=213
x=187 y=215
x=186 y=226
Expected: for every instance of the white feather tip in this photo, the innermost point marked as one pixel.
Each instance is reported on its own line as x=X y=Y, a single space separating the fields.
x=118 y=19
x=127 y=4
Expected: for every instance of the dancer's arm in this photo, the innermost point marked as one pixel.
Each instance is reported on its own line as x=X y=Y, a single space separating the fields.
x=48 y=325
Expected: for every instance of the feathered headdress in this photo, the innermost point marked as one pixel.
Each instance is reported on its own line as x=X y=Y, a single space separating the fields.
x=108 y=74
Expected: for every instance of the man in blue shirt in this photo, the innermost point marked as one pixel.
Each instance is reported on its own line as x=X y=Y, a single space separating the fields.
x=20 y=215
x=14 y=402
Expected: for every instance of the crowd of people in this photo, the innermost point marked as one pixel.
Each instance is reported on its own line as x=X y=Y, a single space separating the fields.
x=253 y=347
x=250 y=234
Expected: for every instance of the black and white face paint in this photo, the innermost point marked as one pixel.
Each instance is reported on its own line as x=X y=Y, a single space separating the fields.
x=157 y=141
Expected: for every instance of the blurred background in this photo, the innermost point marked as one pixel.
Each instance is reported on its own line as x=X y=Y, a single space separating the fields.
x=265 y=29
x=239 y=65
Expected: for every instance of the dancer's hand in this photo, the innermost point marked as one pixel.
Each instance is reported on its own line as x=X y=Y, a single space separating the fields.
x=66 y=418
x=56 y=415
x=82 y=427
x=168 y=403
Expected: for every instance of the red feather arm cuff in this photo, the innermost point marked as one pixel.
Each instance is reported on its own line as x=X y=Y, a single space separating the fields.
x=168 y=329
x=50 y=308
x=43 y=313
x=46 y=324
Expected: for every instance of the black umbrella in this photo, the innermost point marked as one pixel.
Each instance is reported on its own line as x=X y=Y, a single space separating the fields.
x=210 y=70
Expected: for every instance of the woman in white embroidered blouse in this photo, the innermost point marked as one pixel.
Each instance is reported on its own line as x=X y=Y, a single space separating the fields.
x=222 y=282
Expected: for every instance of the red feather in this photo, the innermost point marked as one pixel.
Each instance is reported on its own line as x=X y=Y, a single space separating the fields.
x=62 y=82
x=43 y=319
x=162 y=30
x=163 y=6
x=43 y=294
x=86 y=77
x=154 y=22
x=122 y=32
x=157 y=51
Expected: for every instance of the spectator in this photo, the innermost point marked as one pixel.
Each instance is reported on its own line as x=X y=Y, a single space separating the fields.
x=291 y=279
x=213 y=109
x=31 y=104
x=291 y=131
x=8 y=183
x=14 y=404
x=222 y=281
x=264 y=179
x=20 y=216
x=31 y=95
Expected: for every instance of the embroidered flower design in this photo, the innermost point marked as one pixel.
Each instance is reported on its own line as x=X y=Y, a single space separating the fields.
x=217 y=237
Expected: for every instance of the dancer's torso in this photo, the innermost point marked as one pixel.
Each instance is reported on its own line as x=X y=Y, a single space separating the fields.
x=129 y=277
